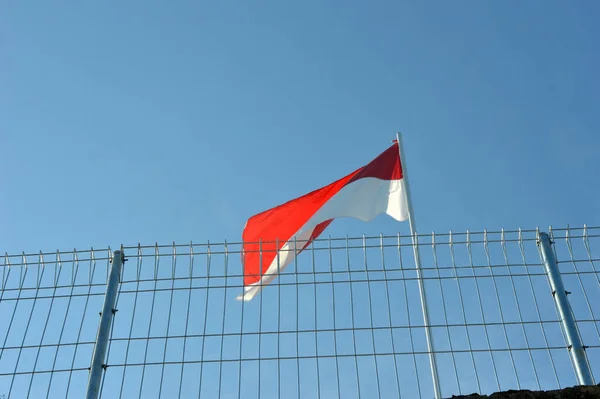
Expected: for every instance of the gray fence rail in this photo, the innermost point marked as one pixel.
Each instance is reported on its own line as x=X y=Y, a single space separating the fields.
x=344 y=320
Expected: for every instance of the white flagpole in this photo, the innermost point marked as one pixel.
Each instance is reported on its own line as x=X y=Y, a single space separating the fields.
x=416 y=251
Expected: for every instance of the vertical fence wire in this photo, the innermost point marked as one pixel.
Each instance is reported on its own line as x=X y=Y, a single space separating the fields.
x=445 y=315
x=482 y=311
x=389 y=306
x=343 y=319
x=520 y=313
x=352 y=321
x=463 y=314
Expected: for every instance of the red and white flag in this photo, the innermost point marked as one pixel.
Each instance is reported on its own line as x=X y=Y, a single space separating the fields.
x=363 y=194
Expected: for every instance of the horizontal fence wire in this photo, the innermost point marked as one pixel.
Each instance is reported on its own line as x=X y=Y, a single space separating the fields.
x=343 y=320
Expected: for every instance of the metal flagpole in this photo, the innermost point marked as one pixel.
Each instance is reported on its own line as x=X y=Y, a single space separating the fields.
x=416 y=251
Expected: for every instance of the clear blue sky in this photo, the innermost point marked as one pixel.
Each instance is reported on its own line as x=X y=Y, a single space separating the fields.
x=126 y=122
x=147 y=121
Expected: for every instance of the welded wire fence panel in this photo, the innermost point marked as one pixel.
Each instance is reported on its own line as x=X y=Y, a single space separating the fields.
x=49 y=306
x=344 y=320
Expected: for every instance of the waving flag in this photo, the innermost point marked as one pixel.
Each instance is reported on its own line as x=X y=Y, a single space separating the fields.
x=289 y=228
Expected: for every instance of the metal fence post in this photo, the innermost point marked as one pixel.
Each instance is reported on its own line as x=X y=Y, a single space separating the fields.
x=108 y=310
x=576 y=349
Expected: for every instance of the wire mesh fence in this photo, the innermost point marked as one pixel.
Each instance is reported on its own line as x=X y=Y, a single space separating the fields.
x=345 y=320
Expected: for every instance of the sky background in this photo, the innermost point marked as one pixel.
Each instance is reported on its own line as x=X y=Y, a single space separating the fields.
x=177 y=121
x=126 y=122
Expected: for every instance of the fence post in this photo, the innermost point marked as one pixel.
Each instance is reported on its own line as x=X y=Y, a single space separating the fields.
x=108 y=310
x=576 y=349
